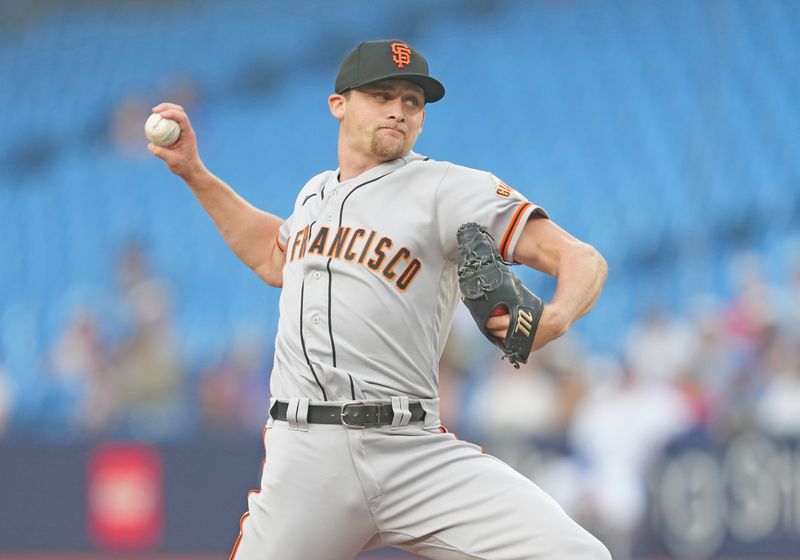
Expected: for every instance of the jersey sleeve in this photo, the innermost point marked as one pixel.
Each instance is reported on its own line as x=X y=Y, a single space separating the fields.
x=468 y=195
x=282 y=237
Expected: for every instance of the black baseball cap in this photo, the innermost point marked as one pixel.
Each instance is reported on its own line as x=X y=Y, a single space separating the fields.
x=372 y=61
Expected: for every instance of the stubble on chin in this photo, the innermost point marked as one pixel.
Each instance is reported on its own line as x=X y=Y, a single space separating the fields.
x=388 y=148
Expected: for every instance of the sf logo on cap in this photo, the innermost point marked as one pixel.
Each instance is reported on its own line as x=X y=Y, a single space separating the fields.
x=402 y=54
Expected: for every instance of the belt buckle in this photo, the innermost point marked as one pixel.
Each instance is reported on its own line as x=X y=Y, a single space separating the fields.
x=344 y=410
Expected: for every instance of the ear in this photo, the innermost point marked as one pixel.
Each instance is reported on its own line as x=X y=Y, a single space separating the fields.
x=336 y=105
x=422 y=122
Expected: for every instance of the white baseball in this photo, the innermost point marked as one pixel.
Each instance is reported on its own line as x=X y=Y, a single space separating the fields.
x=163 y=132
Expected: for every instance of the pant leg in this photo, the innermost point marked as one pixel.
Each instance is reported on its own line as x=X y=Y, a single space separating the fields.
x=444 y=499
x=310 y=504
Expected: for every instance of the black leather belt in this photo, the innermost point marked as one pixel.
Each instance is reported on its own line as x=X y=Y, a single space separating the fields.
x=351 y=414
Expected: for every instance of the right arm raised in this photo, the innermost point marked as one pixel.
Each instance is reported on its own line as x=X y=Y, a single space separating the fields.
x=249 y=232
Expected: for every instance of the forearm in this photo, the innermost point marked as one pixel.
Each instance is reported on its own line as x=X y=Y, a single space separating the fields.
x=248 y=231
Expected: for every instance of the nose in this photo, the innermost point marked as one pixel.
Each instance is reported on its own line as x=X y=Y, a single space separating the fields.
x=396 y=110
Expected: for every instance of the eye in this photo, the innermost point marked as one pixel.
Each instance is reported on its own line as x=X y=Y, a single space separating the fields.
x=381 y=96
x=413 y=101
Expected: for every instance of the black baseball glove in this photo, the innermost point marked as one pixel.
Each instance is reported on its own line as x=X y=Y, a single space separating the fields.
x=487 y=283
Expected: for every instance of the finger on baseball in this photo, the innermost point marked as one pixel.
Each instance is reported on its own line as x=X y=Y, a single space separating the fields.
x=176 y=115
x=155 y=150
x=161 y=107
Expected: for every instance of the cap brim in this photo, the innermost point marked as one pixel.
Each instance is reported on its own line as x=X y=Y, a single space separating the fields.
x=431 y=87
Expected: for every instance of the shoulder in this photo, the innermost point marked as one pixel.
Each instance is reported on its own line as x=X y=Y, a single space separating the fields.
x=441 y=171
x=477 y=182
x=421 y=164
x=462 y=173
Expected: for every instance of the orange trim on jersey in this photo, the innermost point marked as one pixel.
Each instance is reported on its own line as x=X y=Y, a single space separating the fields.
x=509 y=234
x=278 y=242
x=239 y=538
x=250 y=493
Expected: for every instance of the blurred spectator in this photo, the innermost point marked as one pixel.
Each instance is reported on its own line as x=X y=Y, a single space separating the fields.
x=619 y=430
x=459 y=360
x=149 y=365
x=83 y=374
x=234 y=395
x=537 y=400
x=778 y=402
x=661 y=348
x=148 y=361
x=710 y=375
x=751 y=311
x=787 y=304
x=133 y=267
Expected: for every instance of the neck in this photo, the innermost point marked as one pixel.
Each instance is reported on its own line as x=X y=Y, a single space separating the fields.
x=353 y=163
x=350 y=167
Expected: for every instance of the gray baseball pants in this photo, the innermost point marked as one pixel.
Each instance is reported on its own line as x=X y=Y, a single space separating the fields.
x=329 y=492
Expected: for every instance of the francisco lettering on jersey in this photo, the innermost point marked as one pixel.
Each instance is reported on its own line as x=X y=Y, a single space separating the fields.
x=357 y=245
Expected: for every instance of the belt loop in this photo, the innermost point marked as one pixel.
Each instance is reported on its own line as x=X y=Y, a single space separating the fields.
x=402 y=414
x=431 y=408
x=291 y=413
x=302 y=415
x=270 y=419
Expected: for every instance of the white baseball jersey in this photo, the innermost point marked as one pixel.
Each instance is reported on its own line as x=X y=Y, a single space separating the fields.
x=370 y=277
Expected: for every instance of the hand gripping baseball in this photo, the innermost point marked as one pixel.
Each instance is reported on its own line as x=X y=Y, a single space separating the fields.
x=487 y=283
x=182 y=157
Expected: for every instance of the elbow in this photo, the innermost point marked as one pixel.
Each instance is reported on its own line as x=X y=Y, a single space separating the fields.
x=602 y=266
x=270 y=275
x=276 y=281
x=597 y=261
x=270 y=270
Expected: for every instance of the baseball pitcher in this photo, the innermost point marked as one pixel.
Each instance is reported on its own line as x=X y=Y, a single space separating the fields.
x=371 y=264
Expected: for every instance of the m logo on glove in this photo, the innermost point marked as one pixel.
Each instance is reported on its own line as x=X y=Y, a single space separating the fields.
x=524 y=322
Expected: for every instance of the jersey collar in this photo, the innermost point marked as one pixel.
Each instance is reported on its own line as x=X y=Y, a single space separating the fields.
x=382 y=169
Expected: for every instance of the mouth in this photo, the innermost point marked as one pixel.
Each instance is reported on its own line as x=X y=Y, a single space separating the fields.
x=393 y=130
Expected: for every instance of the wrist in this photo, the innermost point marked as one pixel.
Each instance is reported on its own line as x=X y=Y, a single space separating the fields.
x=193 y=175
x=557 y=317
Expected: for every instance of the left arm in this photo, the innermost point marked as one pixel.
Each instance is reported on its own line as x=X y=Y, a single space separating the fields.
x=579 y=269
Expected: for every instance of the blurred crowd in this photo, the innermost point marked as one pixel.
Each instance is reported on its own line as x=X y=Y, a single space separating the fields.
x=119 y=370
